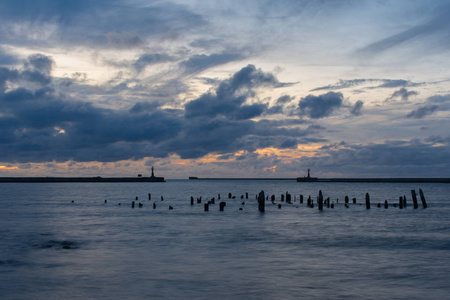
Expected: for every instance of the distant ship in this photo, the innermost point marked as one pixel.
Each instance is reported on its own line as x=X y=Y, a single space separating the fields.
x=307 y=178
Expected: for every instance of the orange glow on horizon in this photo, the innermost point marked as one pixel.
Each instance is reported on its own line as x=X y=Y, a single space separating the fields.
x=8 y=168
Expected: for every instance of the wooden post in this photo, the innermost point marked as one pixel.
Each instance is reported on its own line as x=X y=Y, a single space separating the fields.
x=162 y=198
x=367 y=201
x=132 y=204
x=261 y=202
x=106 y=201
x=206 y=207
x=354 y=200
x=192 y=200
x=320 y=200
x=301 y=198
x=346 y=200
x=137 y=197
x=229 y=195
x=199 y=200
x=404 y=201
x=154 y=205
x=414 y=199
x=282 y=197
x=400 y=202
x=422 y=198
x=149 y=196
x=213 y=200
x=246 y=195
x=218 y=196
x=222 y=205
x=385 y=204
x=328 y=202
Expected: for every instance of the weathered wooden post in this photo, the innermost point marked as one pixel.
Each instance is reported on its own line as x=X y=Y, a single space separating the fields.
x=385 y=204
x=282 y=197
x=404 y=201
x=320 y=200
x=367 y=201
x=154 y=205
x=137 y=198
x=140 y=204
x=246 y=195
x=132 y=204
x=192 y=200
x=199 y=200
x=261 y=202
x=218 y=196
x=213 y=200
x=400 y=202
x=106 y=201
x=206 y=207
x=346 y=200
x=301 y=198
x=422 y=198
x=222 y=205
x=354 y=200
x=272 y=198
x=162 y=198
x=414 y=199
x=229 y=195
x=149 y=196
x=328 y=202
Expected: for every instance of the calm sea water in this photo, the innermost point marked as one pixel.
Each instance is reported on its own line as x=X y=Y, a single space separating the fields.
x=52 y=248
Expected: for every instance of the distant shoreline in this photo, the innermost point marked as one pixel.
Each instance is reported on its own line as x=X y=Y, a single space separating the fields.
x=80 y=179
x=373 y=180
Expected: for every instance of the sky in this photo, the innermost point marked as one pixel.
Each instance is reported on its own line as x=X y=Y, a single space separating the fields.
x=248 y=88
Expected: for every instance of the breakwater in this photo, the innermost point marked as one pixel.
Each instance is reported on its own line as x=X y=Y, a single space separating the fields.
x=356 y=180
x=81 y=179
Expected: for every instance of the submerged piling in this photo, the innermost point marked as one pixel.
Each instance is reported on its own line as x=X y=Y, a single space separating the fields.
x=320 y=200
x=414 y=199
x=400 y=202
x=422 y=198
x=261 y=202
x=222 y=205
x=367 y=201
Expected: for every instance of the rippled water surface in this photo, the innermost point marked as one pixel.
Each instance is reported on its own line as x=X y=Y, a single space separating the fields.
x=53 y=248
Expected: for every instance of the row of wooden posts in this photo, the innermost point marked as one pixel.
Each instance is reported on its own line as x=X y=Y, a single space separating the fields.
x=321 y=202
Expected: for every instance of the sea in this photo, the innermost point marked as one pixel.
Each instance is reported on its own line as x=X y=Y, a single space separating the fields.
x=64 y=241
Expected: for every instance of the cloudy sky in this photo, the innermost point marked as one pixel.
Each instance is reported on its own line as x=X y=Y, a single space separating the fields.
x=248 y=88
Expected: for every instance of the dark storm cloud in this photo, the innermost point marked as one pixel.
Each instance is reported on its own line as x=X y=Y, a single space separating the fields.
x=321 y=106
x=403 y=94
x=41 y=125
x=357 y=107
x=422 y=111
x=231 y=94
